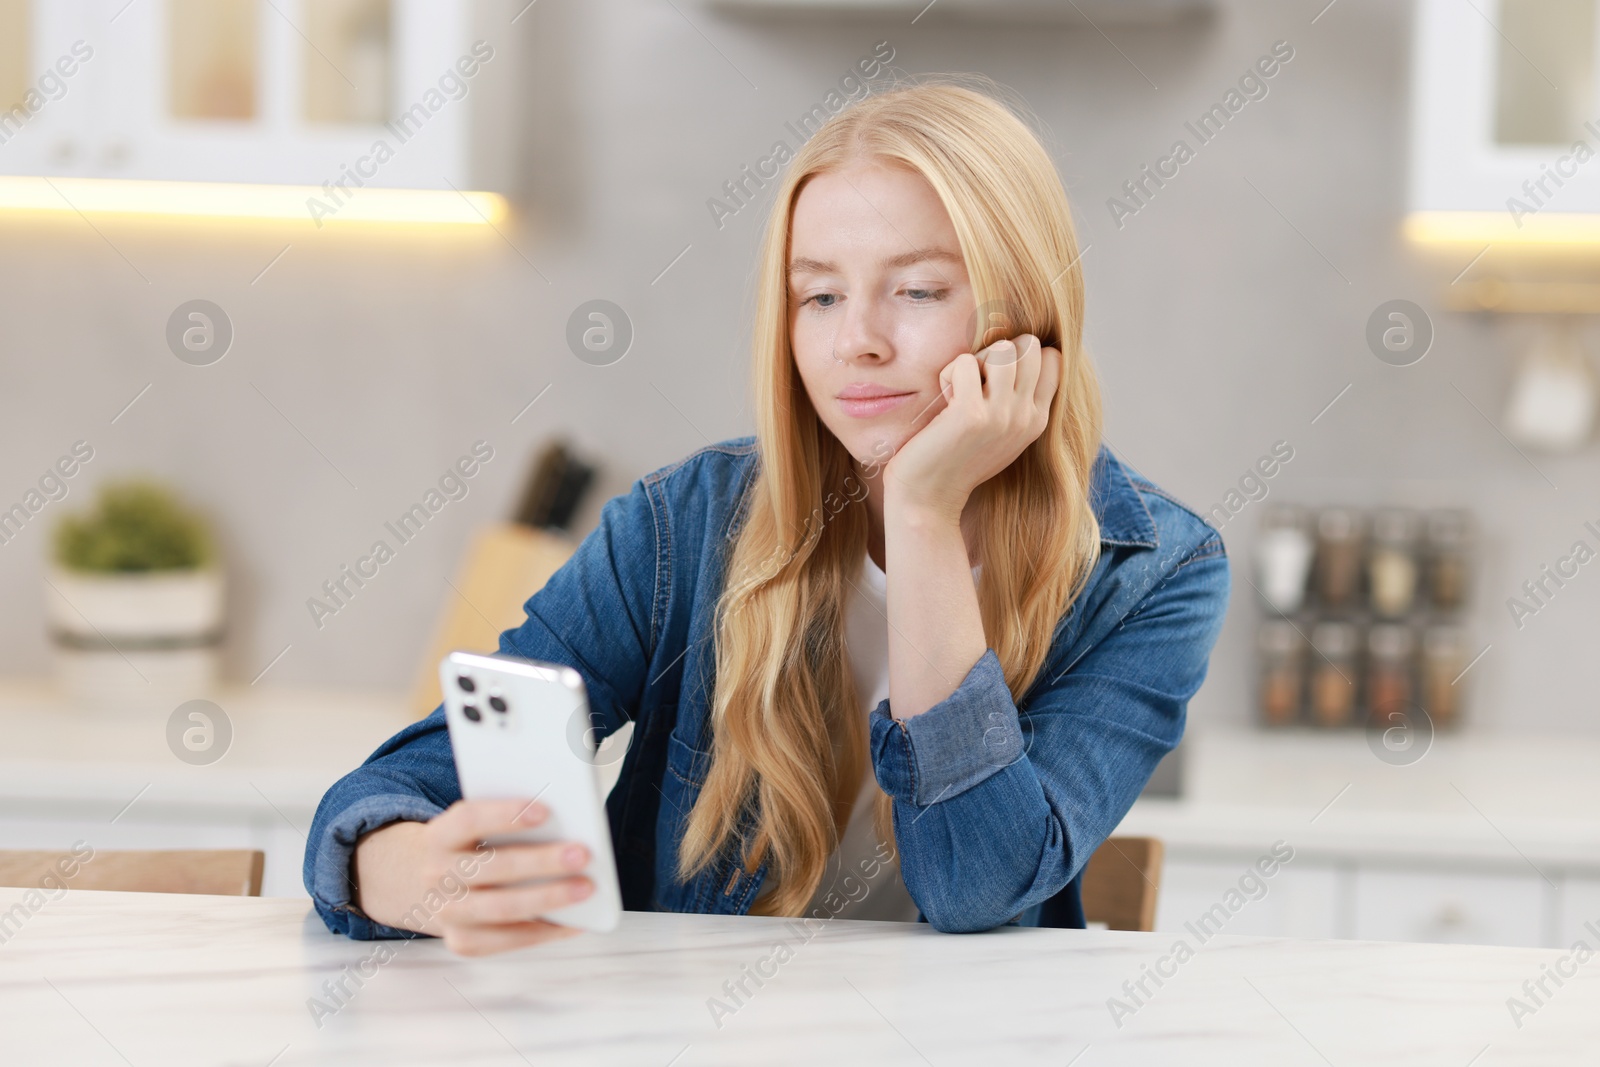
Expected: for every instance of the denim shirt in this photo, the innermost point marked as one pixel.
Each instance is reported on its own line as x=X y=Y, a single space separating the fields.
x=998 y=803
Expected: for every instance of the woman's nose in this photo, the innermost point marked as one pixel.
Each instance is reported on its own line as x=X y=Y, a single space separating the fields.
x=861 y=334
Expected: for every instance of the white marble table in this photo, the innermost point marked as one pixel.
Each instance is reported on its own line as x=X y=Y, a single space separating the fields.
x=144 y=979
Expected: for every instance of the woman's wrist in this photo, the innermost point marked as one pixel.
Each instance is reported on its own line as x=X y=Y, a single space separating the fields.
x=382 y=866
x=906 y=509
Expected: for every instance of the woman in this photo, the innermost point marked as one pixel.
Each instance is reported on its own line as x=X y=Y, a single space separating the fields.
x=811 y=735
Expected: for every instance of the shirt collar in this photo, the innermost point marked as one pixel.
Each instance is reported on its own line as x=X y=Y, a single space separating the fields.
x=1124 y=518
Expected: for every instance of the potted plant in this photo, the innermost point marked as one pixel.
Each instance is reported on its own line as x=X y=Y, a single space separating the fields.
x=133 y=596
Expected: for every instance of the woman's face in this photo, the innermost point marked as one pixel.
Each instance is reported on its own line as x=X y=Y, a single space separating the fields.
x=879 y=302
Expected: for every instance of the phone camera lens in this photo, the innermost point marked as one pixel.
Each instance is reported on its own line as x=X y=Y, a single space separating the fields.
x=467 y=684
x=497 y=703
x=472 y=713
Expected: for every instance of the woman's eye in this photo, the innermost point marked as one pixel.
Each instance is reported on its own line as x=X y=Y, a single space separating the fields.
x=825 y=301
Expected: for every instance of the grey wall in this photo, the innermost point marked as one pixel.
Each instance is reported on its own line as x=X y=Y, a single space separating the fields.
x=1223 y=318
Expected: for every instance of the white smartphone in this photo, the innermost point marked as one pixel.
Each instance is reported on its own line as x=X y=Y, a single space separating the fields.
x=520 y=728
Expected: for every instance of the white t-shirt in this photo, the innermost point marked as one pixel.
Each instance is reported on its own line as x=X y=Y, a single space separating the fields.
x=854 y=895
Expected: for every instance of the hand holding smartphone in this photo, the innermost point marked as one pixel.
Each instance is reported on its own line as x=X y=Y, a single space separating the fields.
x=519 y=731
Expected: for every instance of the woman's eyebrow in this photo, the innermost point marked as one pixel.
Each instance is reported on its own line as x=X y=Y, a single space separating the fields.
x=804 y=265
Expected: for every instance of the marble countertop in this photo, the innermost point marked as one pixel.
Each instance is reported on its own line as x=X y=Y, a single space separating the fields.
x=1494 y=800
x=132 y=978
x=287 y=747
x=1503 y=800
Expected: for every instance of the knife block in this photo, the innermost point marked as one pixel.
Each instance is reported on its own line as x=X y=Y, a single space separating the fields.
x=506 y=564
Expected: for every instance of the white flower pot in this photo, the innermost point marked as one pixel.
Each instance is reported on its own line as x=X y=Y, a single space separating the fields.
x=136 y=638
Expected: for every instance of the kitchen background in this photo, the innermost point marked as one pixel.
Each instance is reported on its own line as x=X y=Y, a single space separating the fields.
x=1228 y=315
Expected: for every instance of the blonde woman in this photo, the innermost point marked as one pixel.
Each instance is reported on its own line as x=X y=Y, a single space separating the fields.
x=909 y=652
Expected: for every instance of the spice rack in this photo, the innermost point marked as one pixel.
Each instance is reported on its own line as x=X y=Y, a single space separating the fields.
x=1362 y=616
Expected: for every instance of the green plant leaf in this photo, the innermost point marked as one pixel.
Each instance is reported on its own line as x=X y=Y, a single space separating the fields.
x=136 y=525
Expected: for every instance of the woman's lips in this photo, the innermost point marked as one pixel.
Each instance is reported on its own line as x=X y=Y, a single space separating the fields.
x=869 y=406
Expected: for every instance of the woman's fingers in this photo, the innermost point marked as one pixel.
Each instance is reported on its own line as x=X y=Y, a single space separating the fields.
x=961 y=378
x=1011 y=367
x=466 y=822
x=508 y=887
x=519 y=863
x=999 y=369
x=1028 y=362
x=1049 y=378
x=497 y=905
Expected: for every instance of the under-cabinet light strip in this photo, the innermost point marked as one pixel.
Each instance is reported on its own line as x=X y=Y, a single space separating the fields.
x=308 y=203
x=1547 y=228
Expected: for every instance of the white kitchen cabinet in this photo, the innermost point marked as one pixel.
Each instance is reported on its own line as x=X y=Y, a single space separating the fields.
x=1449 y=848
x=46 y=86
x=1086 y=14
x=1502 y=93
x=1347 y=899
x=1457 y=907
x=397 y=93
x=1578 y=916
x=1299 y=900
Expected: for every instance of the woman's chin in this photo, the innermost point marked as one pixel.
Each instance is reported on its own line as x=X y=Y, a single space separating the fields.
x=877 y=447
x=870 y=445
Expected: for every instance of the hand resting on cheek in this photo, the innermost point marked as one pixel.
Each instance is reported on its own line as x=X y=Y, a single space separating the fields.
x=997 y=402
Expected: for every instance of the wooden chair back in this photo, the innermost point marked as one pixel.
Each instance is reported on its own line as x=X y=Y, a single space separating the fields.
x=506 y=564
x=220 y=872
x=1122 y=882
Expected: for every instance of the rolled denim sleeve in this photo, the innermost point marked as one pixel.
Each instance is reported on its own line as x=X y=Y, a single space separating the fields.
x=411 y=776
x=328 y=870
x=955 y=744
x=997 y=808
x=595 y=614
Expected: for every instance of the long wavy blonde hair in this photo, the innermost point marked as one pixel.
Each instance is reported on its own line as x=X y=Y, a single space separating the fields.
x=789 y=729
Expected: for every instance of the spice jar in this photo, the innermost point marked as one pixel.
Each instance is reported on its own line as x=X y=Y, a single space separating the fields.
x=1391 y=671
x=1283 y=558
x=1394 y=565
x=1333 y=673
x=1449 y=550
x=1283 y=666
x=1338 y=562
x=1444 y=657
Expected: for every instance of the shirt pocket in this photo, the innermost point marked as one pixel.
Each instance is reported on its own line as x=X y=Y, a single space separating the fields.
x=685 y=772
x=687 y=764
